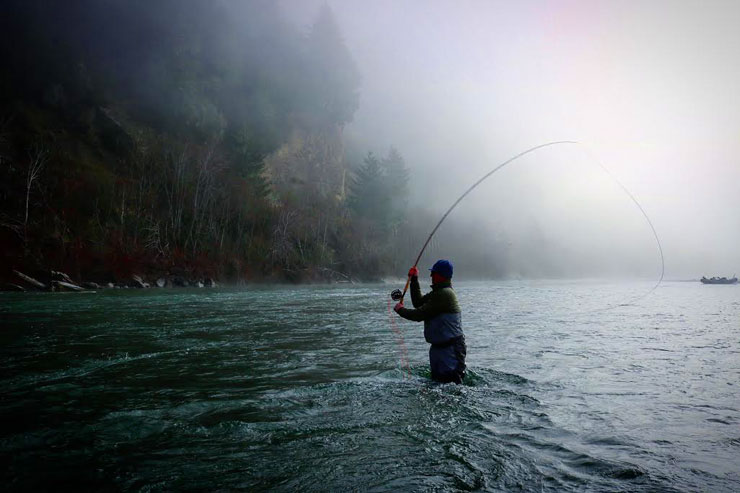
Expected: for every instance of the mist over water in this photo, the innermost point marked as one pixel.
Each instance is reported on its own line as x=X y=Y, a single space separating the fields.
x=322 y=140
x=302 y=389
x=459 y=87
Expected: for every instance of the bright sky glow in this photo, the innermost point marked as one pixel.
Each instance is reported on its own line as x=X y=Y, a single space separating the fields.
x=652 y=87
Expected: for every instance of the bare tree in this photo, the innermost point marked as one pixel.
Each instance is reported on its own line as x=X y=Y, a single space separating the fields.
x=282 y=236
x=38 y=157
x=175 y=183
x=203 y=195
x=153 y=238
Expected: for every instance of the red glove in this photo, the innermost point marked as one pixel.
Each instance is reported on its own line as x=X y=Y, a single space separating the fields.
x=398 y=306
x=413 y=272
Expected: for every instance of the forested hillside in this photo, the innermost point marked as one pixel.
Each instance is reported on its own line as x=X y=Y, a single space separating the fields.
x=187 y=138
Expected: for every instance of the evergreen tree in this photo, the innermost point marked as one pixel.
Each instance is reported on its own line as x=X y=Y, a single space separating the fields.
x=368 y=191
x=396 y=177
x=378 y=190
x=333 y=76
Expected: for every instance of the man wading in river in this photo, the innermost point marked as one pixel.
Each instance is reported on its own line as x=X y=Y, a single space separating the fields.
x=440 y=313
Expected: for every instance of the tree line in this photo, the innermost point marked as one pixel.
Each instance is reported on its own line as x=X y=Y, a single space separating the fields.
x=189 y=137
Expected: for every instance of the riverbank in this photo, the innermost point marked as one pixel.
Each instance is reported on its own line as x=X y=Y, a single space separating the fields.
x=52 y=280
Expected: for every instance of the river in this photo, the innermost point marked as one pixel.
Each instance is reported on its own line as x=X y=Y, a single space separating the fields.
x=572 y=386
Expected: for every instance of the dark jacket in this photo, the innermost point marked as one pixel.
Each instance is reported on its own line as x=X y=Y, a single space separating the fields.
x=440 y=312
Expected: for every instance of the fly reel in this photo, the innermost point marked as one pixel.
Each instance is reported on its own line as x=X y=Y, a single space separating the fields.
x=396 y=295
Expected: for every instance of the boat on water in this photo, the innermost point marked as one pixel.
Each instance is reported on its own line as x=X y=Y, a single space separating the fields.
x=719 y=280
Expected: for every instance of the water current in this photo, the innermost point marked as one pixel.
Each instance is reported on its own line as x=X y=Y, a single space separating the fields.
x=303 y=389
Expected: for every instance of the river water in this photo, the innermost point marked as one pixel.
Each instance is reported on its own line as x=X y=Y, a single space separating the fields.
x=572 y=386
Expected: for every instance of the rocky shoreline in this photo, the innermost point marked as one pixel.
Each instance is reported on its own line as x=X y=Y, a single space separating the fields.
x=52 y=281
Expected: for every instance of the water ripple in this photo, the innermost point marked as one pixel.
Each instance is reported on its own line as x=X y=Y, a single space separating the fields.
x=300 y=388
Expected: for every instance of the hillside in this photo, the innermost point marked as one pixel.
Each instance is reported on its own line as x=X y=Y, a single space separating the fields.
x=185 y=138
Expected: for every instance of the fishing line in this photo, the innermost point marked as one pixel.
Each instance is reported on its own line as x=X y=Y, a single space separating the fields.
x=647 y=218
x=514 y=158
x=403 y=354
x=398 y=295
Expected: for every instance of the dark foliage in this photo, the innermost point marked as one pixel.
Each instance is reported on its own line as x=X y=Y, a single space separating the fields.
x=140 y=136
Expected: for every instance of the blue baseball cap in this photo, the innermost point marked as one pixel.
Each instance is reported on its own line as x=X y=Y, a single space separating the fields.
x=443 y=268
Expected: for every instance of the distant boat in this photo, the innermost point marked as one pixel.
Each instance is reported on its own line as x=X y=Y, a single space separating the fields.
x=718 y=280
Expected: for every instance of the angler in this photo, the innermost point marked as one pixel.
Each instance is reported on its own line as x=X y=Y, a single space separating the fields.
x=440 y=312
x=441 y=317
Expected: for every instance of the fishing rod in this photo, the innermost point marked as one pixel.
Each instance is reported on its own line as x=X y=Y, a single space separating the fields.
x=398 y=295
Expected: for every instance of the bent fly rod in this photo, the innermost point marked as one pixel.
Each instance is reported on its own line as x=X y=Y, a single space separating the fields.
x=398 y=295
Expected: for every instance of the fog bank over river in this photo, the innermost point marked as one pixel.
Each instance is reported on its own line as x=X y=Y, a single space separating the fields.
x=650 y=87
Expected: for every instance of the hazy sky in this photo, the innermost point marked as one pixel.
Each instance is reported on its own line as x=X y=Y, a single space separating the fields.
x=652 y=87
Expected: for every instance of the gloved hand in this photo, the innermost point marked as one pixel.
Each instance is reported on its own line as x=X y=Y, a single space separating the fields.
x=413 y=272
x=398 y=306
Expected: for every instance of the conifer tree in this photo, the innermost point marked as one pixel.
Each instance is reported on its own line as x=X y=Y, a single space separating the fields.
x=367 y=198
x=333 y=76
x=396 y=177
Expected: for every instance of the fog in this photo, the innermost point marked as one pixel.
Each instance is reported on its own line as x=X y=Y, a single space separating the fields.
x=650 y=88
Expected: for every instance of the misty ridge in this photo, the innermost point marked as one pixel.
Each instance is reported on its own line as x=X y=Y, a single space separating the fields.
x=245 y=141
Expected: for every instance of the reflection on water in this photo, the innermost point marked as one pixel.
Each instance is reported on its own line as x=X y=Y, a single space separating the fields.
x=302 y=389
